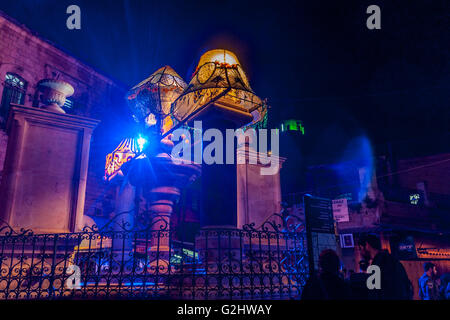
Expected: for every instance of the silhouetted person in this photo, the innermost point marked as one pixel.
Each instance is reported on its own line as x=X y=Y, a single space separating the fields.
x=343 y=273
x=444 y=290
x=363 y=265
x=358 y=282
x=328 y=285
x=351 y=272
x=395 y=284
x=428 y=284
x=447 y=292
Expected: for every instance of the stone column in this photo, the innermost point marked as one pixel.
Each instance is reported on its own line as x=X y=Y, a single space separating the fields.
x=44 y=180
x=219 y=238
x=124 y=214
x=162 y=189
x=219 y=181
x=161 y=207
x=219 y=185
x=259 y=196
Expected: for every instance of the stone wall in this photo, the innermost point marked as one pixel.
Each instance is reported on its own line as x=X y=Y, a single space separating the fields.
x=3 y=143
x=96 y=96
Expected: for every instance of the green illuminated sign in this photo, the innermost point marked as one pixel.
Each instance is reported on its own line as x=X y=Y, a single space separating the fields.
x=292 y=125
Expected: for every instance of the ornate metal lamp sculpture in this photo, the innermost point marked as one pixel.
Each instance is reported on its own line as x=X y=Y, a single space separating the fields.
x=150 y=100
x=124 y=152
x=219 y=78
x=153 y=171
x=219 y=95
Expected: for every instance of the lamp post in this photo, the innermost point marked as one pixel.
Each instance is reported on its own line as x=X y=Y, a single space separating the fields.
x=124 y=213
x=220 y=96
x=160 y=178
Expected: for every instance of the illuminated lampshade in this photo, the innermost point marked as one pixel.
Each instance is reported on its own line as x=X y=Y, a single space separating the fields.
x=150 y=100
x=218 y=71
x=126 y=151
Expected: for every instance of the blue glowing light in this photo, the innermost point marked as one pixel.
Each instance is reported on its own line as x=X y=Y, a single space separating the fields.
x=141 y=141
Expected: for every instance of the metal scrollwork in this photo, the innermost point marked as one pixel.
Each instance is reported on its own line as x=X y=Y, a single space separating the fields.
x=149 y=262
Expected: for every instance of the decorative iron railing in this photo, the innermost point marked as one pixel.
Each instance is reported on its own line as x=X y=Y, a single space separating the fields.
x=222 y=263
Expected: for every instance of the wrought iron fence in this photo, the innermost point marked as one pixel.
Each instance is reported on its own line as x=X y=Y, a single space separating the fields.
x=221 y=263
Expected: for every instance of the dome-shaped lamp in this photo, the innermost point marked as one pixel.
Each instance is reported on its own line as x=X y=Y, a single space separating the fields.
x=219 y=76
x=150 y=100
x=125 y=151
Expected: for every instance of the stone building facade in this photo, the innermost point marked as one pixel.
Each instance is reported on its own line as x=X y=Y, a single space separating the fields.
x=25 y=59
x=406 y=203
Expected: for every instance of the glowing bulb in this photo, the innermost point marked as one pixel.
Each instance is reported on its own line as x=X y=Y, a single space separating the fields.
x=220 y=55
x=150 y=120
x=141 y=142
x=224 y=58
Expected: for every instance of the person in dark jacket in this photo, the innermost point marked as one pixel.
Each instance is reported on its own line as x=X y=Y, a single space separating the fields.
x=444 y=290
x=328 y=285
x=447 y=292
x=395 y=284
x=428 y=284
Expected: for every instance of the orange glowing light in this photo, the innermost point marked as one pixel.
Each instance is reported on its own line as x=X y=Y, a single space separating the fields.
x=218 y=75
x=126 y=151
x=167 y=124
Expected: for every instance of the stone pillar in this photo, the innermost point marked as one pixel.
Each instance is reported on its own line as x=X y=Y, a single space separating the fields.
x=219 y=185
x=219 y=181
x=162 y=189
x=124 y=213
x=219 y=239
x=44 y=180
x=259 y=196
x=161 y=207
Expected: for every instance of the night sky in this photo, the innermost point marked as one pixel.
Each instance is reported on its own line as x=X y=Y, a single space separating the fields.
x=314 y=60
